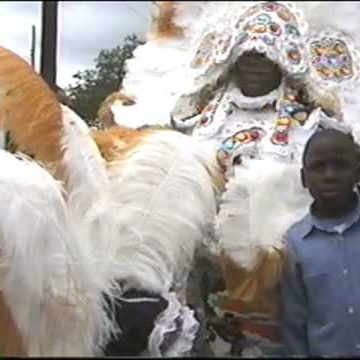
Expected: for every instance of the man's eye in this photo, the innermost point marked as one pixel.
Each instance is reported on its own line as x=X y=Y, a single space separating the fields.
x=317 y=166
x=341 y=164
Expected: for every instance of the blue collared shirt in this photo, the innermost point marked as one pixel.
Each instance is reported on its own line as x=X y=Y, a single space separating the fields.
x=321 y=287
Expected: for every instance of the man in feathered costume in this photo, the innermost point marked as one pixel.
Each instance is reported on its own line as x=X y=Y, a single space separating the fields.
x=111 y=221
x=250 y=81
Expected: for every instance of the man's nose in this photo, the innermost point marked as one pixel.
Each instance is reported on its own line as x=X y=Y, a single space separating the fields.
x=330 y=173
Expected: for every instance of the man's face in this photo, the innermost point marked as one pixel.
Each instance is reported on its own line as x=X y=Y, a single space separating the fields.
x=256 y=75
x=330 y=170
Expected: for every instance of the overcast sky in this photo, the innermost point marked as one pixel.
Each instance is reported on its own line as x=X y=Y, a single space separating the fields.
x=84 y=28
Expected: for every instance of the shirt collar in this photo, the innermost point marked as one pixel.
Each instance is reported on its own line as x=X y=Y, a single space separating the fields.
x=311 y=222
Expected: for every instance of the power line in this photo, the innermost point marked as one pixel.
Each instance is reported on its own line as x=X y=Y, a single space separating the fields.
x=135 y=11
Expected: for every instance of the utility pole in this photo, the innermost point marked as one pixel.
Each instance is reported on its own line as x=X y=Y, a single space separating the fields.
x=49 y=42
x=33 y=46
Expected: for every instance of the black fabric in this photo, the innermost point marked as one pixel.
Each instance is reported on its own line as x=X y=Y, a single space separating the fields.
x=204 y=279
x=136 y=321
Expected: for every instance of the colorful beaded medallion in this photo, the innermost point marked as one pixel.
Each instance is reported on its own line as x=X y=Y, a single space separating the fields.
x=331 y=60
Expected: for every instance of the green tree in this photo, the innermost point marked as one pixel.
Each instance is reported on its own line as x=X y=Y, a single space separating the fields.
x=92 y=86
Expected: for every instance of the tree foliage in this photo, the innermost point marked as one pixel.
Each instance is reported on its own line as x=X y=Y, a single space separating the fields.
x=92 y=86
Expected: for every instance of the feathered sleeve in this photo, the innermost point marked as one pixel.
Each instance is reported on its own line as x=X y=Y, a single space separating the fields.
x=251 y=226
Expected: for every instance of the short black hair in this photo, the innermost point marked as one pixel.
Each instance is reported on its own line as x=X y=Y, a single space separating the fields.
x=329 y=132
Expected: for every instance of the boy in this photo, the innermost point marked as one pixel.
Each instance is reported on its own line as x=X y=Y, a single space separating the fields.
x=320 y=285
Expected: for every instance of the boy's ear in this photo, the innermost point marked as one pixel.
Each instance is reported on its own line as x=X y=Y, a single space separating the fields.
x=303 y=180
x=357 y=175
x=357 y=170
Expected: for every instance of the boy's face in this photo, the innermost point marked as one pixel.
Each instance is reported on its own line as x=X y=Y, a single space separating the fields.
x=331 y=170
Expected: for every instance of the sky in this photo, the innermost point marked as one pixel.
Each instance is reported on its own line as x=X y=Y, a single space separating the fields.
x=84 y=28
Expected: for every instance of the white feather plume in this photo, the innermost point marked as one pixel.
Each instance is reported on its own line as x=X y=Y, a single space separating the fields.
x=334 y=16
x=86 y=178
x=45 y=282
x=165 y=186
x=89 y=202
x=85 y=224
x=161 y=64
x=250 y=218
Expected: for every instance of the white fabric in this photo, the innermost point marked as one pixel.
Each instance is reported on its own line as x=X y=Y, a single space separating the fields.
x=176 y=322
x=245 y=115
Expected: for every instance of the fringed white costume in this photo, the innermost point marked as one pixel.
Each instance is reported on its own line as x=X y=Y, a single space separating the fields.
x=97 y=230
x=182 y=77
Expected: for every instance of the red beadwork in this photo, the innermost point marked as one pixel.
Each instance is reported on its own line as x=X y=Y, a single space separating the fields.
x=280 y=138
x=203 y=120
x=270 y=6
x=255 y=135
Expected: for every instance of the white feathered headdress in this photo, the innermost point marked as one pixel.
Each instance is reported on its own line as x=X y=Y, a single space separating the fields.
x=192 y=44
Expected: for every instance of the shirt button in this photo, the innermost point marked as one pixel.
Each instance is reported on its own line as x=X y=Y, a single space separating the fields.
x=351 y=310
x=345 y=271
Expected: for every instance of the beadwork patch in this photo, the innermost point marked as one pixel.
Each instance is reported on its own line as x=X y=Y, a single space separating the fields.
x=233 y=143
x=209 y=111
x=291 y=112
x=269 y=23
x=273 y=28
x=214 y=48
x=331 y=60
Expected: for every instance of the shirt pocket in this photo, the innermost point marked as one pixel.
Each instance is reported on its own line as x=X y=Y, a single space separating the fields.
x=322 y=289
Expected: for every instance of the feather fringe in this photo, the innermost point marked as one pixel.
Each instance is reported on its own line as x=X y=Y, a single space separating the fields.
x=324 y=98
x=116 y=142
x=320 y=16
x=163 y=20
x=259 y=188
